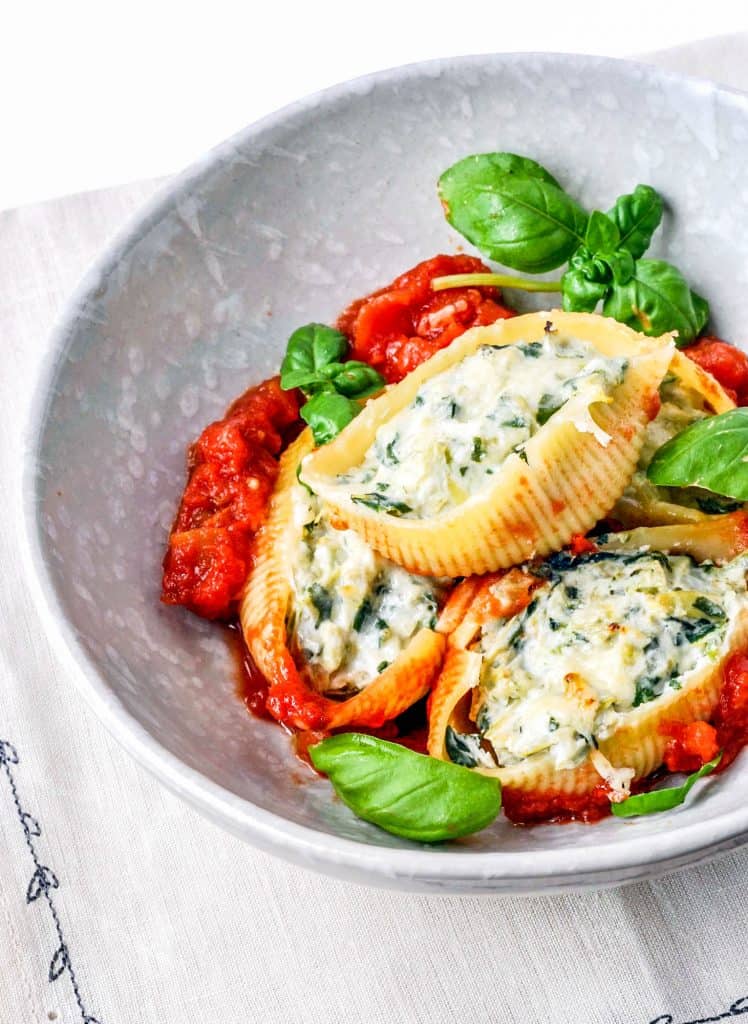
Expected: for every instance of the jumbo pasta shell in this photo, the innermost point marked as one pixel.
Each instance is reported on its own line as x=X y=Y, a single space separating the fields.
x=569 y=480
x=637 y=743
x=264 y=609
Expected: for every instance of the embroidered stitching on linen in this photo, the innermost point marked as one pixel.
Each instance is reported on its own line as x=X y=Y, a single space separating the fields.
x=43 y=882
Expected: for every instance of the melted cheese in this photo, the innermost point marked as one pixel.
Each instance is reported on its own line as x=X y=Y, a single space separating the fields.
x=352 y=612
x=466 y=421
x=604 y=634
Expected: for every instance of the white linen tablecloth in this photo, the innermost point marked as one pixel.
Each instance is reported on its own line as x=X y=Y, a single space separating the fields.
x=141 y=912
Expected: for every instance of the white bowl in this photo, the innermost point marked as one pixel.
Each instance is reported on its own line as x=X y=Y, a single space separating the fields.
x=283 y=224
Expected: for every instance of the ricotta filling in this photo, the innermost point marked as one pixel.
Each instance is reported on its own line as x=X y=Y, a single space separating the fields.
x=352 y=612
x=604 y=634
x=465 y=422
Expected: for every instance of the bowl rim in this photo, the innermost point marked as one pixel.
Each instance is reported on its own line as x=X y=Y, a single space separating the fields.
x=630 y=858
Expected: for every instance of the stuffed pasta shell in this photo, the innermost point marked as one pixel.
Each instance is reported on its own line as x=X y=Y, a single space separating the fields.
x=687 y=394
x=343 y=636
x=563 y=674
x=499 y=448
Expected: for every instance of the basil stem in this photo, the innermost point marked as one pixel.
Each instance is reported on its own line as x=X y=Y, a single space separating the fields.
x=438 y=284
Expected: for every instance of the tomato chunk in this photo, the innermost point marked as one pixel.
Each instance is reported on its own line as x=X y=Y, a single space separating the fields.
x=726 y=363
x=232 y=470
x=690 y=745
x=398 y=327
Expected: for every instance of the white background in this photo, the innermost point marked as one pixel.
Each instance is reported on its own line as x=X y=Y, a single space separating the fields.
x=94 y=94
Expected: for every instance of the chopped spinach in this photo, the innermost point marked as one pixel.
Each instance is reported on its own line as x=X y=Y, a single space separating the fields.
x=478 y=453
x=531 y=349
x=381 y=503
x=715 y=505
x=694 y=629
x=463 y=747
x=548 y=405
x=714 y=611
x=390 y=458
x=322 y=600
x=382 y=666
x=362 y=615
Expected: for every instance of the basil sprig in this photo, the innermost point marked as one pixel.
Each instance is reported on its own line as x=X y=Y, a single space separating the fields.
x=662 y=799
x=334 y=389
x=711 y=453
x=411 y=795
x=515 y=212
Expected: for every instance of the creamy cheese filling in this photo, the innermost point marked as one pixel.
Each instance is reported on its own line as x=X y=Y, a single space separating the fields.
x=352 y=612
x=605 y=633
x=446 y=445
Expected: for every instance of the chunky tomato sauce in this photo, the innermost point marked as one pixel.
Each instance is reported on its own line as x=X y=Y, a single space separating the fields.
x=398 y=327
x=726 y=363
x=232 y=469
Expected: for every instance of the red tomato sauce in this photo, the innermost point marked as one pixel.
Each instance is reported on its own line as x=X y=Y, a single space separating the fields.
x=398 y=327
x=731 y=717
x=232 y=469
x=726 y=363
x=526 y=807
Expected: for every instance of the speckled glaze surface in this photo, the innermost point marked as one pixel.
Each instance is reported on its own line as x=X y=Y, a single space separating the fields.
x=283 y=224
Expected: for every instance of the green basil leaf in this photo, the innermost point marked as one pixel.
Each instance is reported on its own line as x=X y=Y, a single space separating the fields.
x=579 y=294
x=621 y=265
x=357 y=380
x=657 y=299
x=602 y=235
x=513 y=211
x=712 y=453
x=637 y=215
x=662 y=799
x=411 y=795
x=309 y=349
x=327 y=413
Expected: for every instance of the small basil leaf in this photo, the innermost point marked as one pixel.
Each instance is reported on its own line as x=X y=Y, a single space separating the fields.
x=513 y=211
x=411 y=795
x=662 y=799
x=637 y=215
x=657 y=299
x=579 y=294
x=308 y=380
x=621 y=264
x=602 y=235
x=327 y=413
x=310 y=348
x=358 y=380
x=712 y=453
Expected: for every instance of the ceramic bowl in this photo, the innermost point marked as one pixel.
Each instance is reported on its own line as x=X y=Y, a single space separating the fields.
x=283 y=224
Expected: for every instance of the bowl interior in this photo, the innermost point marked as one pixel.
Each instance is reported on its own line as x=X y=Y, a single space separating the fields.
x=283 y=225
